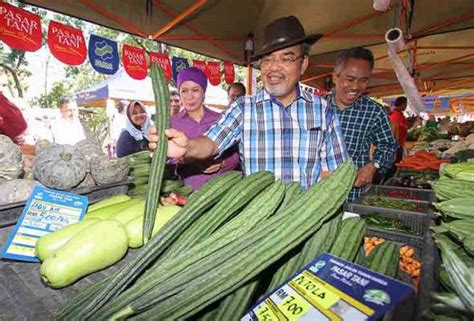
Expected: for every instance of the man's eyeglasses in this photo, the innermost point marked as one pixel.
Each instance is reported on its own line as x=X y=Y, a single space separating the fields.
x=284 y=60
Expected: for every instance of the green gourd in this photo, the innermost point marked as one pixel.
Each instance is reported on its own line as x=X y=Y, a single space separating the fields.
x=129 y=213
x=91 y=250
x=135 y=227
x=104 y=213
x=49 y=243
x=108 y=201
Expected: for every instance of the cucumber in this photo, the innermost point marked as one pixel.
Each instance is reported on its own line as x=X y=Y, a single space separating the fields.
x=105 y=213
x=107 y=202
x=99 y=246
x=49 y=243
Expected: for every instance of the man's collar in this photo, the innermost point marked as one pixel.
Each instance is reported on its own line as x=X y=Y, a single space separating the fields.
x=300 y=94
x=331 y=98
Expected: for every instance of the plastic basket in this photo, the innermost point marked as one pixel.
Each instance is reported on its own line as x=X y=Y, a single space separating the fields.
x=409 y=193
x=405 y=171
x=422 y=206
x=416 y=222
x=10 y=213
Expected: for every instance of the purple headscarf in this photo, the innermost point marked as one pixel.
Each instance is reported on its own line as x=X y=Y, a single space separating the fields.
x=192 y=74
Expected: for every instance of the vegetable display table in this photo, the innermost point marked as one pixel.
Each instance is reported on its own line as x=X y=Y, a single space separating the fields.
x=24 y=297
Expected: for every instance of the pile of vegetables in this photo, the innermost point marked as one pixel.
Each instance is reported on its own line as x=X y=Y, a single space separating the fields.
x=421 y=160
x=391 y=203
x=420 y=180
x=217 y=248
x=109 y=228
x=172 y=188
x=405 y=257
x=388 y=223
x=61 y=167
x=456 y=181
x=455 y=239
x=400 y=193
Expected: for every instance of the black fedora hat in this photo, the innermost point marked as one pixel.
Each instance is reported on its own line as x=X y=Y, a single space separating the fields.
x=282 y=33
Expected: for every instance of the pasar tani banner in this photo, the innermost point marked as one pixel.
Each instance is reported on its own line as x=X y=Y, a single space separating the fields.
x=20 y=29
x=229 y=73
x=163 y=61
x=134 y=62
x=66 y=43
x=200 y=64
x=214 y=72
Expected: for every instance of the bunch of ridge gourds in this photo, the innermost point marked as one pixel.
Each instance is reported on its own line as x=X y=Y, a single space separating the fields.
x=140 y=166
x=210 y=258
x=454 y=237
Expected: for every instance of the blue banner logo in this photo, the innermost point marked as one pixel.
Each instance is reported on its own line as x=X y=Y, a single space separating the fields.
x=178 y=65
x=103 y=55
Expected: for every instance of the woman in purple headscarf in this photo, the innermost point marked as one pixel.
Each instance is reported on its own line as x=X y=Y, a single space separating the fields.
x=194 y=120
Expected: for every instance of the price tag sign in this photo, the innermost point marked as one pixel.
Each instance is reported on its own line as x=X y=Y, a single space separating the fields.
x=46 y=211
x=330 y=288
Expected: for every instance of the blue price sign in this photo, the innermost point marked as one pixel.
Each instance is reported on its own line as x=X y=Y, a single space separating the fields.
x=46 y=211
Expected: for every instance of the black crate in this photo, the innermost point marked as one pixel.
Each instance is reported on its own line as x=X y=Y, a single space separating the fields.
x=400 y=238
x=10 y=213
x=411 y=193
x=431 y=172
x=391 y=182
x=422 y=206
x=417 y=222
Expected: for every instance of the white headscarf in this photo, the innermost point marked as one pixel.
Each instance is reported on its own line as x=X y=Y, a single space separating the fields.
x=137 y=133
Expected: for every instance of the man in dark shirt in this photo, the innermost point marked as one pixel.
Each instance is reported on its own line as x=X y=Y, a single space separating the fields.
x=364 y=122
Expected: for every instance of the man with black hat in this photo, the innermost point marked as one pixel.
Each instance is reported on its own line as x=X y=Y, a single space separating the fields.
x=282 y=128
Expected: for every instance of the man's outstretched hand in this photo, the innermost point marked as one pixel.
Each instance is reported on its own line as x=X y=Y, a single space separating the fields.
x=177 y=142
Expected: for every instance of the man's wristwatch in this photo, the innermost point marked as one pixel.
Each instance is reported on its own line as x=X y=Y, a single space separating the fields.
x=376 y=165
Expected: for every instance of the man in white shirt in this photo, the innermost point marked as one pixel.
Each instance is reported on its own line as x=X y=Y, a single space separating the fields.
x=67 y=128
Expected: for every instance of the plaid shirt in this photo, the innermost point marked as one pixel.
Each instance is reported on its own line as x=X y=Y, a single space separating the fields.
x=294 y=142
x=365 y=123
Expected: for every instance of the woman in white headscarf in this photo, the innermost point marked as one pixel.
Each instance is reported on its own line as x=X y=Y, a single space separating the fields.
x=133 y=137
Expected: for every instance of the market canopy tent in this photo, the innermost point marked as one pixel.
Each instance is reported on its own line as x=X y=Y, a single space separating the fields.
x=122 y=86
x=442 y=63
x=117 y=87
x=219 y=28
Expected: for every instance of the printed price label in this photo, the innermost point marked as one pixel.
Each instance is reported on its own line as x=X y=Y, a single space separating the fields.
x=330 y=289
x=294 y=307
x=46 y=211
x=314 y=291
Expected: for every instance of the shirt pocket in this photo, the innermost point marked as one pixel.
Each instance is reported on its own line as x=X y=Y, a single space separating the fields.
x=311 y=141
